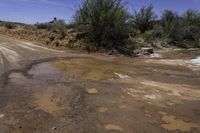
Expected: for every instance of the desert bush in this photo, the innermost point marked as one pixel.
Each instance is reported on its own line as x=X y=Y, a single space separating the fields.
x=144 y=18
x=9 y=25
x=105 y=21
x=42 y=25
x=59 y=27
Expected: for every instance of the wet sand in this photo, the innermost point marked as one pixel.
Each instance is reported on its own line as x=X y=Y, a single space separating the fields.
x=48 y=91
x=102 y=96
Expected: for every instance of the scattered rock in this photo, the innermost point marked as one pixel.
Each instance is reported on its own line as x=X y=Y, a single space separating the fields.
x=122 y=106
x=113 y=127
x=1 y=115
x=143 y=52
x=122 y=76
x=92 y=91
x=103 y=109
x=173 y=124
x=122 y=97
x=54 y=128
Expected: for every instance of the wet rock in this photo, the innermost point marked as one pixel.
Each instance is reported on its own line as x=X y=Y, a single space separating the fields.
x=143 y=52
x=1 y=115
x=103 y=109
x=147 y=51
x=113 y=127
x=92 y=91
x=122 y=106
x=54 y=128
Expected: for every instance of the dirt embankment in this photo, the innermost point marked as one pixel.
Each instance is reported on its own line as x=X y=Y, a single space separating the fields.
x=46 y=38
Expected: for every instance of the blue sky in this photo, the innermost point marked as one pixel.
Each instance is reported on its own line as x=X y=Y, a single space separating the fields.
x=32 y=11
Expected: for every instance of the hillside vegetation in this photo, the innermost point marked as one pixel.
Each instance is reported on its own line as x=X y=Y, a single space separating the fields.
x=107 y=26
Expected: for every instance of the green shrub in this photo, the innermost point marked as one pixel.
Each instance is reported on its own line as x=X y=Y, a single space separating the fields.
x=106 y=22
x=191 y=17
x=149 y=35
x=169 y=22
x=190 y=33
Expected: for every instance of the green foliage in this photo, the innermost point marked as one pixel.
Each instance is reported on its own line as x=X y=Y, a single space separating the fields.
x=169 y=22
x=106 y=22
x=183 y=31
x=144 y=18
x=191 y=17
x=149 y=35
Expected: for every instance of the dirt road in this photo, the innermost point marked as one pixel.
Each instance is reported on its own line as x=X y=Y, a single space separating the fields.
x=90 y=94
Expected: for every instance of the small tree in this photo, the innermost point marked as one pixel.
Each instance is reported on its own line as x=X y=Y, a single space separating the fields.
x=191 y=17
x=59 y=27
x=169 y=21
x=144 y=18
x=106 y=22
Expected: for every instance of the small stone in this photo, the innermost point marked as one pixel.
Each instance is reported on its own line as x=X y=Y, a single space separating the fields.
x=103 y=109
x=92 y=91
x=54 y=128
x=122 y=106
x=113 y=127
x=1 y=115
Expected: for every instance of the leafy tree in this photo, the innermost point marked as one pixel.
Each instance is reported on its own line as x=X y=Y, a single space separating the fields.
x=59 y=27
x=169 y=21
x=144 y=18
x=106 y=22
x=191 y=17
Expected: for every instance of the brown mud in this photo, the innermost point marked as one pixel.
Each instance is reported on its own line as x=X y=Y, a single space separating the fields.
x=101 y=96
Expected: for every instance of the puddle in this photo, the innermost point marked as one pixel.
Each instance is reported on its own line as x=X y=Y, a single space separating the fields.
x=152 y=97
x=172 y=123
x=1 y=115
x=113 y=127
x=95 y=70
x=122 y=76
x=92 y=91
x=122 y=97
x=86 y=69
x=49 y=101
x=103 y=109
x=122 y=106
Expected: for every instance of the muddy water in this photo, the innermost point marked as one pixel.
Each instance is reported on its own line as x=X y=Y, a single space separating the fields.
x=181 y=54
x=172 y=123
x=101 y=95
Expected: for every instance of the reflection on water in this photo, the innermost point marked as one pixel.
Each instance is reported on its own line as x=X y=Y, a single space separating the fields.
x=90 y=69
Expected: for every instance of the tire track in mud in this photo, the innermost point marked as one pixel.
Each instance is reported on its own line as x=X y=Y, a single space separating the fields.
x=3 y=63
x=75 y=118
x=78 y=120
